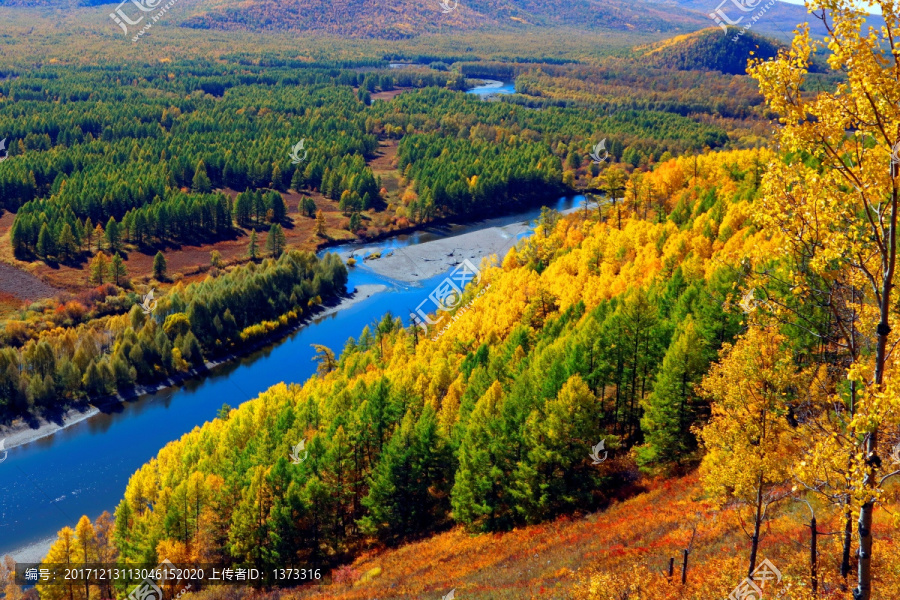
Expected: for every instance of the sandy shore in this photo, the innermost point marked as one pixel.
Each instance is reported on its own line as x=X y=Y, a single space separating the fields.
x=33 y=553
x=362 y=292
x=429 y=259
x=21 y=432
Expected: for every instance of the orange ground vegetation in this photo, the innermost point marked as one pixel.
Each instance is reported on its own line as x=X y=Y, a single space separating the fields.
x=621 y=553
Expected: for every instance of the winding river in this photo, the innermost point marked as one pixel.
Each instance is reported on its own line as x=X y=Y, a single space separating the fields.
x=83 y=469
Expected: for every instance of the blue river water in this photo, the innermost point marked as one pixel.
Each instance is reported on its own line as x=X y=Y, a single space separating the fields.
x=83 y=469
x=492 y=87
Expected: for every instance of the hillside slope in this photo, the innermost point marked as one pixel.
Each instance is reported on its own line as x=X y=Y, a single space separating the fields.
x=710 y=50
x=383 y=18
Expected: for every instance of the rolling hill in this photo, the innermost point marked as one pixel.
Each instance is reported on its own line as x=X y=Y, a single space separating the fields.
x=404 y=18
x=710 y=50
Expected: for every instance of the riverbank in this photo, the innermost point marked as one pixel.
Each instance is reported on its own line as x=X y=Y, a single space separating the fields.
x=22 y=432
x=429 y=259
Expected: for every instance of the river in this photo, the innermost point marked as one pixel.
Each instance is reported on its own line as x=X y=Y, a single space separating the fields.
x=84 y=468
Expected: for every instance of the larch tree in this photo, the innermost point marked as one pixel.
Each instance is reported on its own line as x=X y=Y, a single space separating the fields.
x=159 y=266
x=62 y=552
x=321 y=228
x=112 y=234
x=67 y=244
x=201 y=183
x=670 y=411
x=85 y=547
x=834 y=201
x=98 y=268
x=276 y=240
x=253 y=247
x=118 y=274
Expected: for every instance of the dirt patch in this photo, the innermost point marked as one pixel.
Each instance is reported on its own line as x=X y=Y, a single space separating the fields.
x=23 y=285
x=389 y=95
x=384 y=166
x=29 y=281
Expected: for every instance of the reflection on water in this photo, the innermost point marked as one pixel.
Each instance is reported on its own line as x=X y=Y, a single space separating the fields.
x=83 y=469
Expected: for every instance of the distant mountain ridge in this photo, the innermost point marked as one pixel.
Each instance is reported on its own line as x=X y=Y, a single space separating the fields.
x=393 y=19
x=406 y=18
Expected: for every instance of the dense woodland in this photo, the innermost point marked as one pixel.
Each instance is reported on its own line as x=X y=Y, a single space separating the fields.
x=147 y=159
x=406 y=437
x=187 y=326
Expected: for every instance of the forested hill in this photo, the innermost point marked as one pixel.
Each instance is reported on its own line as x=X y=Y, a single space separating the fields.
x=407 y=18
x=394 y=19
x=710 y=50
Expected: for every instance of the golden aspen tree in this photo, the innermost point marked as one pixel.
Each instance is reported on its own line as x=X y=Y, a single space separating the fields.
x=748 y=440
x=835 y=201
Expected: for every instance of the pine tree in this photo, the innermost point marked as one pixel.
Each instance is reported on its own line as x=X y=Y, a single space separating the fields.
x=556 y=475
x=401 y=499
x=671 y=410
x=17 y=239
x=481 y=498
x=201 y=183
x=279 y=211
x=98 y=268
x=355 y=222
x=277 y=178
x=45 y=246
x=67 y=245
x=113 y=236
x=159 y=266
x=253 y=248
x=297 y=180
x=117 y=272
x=88 y=234
x=308 y=205
x=85 y=547
x=276 y=241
